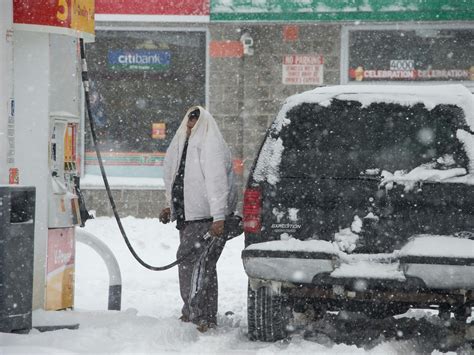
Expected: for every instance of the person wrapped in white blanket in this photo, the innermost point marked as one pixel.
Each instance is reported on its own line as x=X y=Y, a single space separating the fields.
x=200 y=193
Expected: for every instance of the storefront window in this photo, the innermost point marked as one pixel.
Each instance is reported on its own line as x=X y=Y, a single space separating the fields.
x=142 y=83
x=411 y=55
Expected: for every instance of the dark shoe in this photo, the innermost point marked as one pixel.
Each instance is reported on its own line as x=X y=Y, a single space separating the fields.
x=205 y=326
x=185 y=319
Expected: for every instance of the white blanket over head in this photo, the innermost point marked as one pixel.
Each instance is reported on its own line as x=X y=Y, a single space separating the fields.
x=209 y=182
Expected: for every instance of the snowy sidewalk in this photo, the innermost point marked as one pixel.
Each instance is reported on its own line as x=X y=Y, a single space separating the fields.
x=148 y=322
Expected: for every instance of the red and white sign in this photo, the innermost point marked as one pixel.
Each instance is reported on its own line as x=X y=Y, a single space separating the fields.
x=14 y=176
x=302 y=69
x=60 y=269
x=153 y=7
x=69 y=17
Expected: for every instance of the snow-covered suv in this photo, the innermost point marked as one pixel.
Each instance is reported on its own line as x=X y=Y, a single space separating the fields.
x=361 y=198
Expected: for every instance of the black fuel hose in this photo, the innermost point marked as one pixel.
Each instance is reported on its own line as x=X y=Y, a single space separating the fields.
x=85 y=81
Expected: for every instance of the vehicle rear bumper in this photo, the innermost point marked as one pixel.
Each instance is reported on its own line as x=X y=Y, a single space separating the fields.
x=440 y=272
x=296 y=267
x=333 y=275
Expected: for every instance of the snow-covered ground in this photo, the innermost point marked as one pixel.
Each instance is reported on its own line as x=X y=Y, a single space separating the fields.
x=148 y=322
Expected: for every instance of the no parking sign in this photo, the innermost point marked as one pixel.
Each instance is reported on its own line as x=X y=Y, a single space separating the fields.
x=302 y=69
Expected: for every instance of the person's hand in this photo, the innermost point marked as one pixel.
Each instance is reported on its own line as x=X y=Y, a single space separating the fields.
x=217 y=228
x=165 y=215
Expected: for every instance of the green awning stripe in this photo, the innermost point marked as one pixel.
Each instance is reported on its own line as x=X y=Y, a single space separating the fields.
x=344 y=16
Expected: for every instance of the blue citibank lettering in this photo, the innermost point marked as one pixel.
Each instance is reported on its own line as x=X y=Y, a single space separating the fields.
x=139 y=59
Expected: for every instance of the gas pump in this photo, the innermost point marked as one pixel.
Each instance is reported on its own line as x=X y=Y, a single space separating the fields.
x=63 y=205
x=63 y=210
x=41 y=133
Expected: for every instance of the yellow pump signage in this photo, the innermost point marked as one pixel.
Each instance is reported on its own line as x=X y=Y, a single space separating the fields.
x=68 y=17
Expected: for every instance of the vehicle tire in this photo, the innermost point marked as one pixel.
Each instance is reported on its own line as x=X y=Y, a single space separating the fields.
x=444 y=312
x=462 y=313
x=266 y=315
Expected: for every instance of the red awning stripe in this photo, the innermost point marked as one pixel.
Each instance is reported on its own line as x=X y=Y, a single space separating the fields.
x=153 y=7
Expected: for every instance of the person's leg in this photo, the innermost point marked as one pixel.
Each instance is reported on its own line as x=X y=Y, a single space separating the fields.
x=185 y=271
x=204 y=288
x=189 y=238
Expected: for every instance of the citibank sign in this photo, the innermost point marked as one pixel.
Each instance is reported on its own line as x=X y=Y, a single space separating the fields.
x=139 y=59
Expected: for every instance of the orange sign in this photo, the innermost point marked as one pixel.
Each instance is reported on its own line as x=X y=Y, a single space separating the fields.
x=158 y=131
x=290 y=33
x=71 y=17
x=226 y=49
x=70 y=149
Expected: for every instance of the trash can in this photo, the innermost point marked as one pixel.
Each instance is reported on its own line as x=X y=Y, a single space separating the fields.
x=17 y=228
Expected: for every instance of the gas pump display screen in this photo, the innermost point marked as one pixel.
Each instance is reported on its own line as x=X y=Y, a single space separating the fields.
x=141 y=80
x=411 y=55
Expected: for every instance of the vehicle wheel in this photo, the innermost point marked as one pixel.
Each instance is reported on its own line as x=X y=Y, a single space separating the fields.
x=444 y=312
x=462 y=313
x=266 y=315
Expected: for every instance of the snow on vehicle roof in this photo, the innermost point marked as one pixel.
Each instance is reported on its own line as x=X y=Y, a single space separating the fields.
x=409 y=95
x=267 y=165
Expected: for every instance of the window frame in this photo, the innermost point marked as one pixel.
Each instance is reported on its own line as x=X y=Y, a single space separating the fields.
x=147 y=28
x=344 y=64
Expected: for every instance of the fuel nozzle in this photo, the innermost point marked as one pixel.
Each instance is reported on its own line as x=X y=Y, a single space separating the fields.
x=207 y=236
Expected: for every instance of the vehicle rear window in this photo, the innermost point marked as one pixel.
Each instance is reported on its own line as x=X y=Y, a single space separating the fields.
x=346 y=139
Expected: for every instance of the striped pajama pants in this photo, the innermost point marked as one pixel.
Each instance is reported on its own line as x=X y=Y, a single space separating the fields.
x=197 y=273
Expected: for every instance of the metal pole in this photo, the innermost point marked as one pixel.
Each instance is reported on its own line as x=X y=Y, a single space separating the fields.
x=115 y=278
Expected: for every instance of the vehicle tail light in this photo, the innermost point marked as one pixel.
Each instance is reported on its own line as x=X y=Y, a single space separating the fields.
x=252 y=210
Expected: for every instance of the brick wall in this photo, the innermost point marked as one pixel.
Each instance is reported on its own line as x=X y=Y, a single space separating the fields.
x=138 y=203
x=247 y=92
